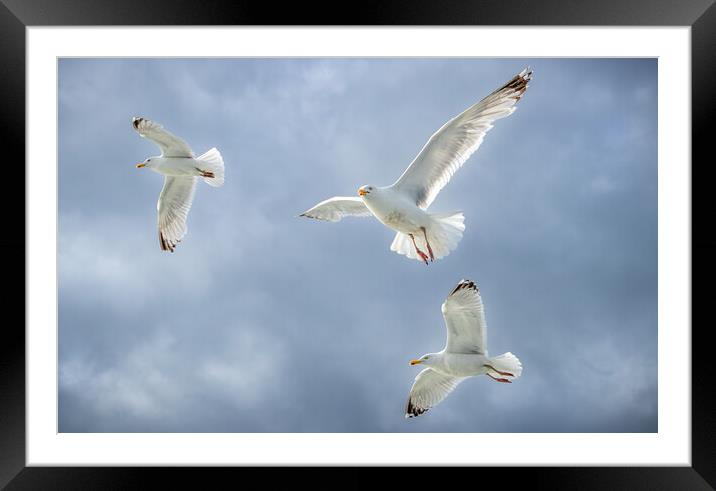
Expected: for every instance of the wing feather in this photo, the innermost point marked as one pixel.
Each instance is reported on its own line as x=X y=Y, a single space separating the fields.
x=450 y=146
x=464 y=316
x=173 y=207
x=334 y=209
x=429 y=389
x=171 y=146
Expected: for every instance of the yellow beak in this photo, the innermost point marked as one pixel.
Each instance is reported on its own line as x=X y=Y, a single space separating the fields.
x=362 y=192
x=415 y=362
x=139 y=166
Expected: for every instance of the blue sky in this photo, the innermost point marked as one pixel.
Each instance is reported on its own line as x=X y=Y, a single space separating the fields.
x=262 y=321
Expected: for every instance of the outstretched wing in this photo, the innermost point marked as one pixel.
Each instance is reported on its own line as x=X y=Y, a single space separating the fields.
x=453 y=144
x=171 y=146
x=334 y=209
x=429 y=389
x=173 y=207
x=464 y=317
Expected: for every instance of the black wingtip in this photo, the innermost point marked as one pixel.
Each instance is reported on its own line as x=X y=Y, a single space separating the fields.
x=518 y=83
x=167 y=245
x=465 y=284
x=412 y=411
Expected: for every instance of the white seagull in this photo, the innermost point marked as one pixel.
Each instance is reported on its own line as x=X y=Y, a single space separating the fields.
x=465 y=353
x=181 y=169
x=402 y=206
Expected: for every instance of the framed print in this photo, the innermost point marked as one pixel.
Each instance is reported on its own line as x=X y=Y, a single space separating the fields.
x=260 y=336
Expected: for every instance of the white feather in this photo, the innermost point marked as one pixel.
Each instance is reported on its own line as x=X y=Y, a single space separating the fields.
x=334 y=209
x=450 y=146
x=429 y=389
x=464 y=316
x=171 y=146
x=172 y=209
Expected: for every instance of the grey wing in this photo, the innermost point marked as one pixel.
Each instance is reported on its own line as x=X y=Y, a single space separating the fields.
x=334 y=209
x=452 y=145
x=464 y=316
x=172 y=208
x=171 y=146
x=429 y=389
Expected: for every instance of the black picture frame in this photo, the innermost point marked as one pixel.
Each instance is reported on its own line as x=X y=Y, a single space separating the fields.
x=16 y=15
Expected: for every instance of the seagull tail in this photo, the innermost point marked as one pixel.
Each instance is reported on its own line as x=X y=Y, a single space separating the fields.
x=402 y=245
x=212 y=161
x=506 y=363
x=444 y=234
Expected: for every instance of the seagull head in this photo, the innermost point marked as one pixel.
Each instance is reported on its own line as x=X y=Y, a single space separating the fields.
x=147 y=163
x=365 y=190
x=424 y=360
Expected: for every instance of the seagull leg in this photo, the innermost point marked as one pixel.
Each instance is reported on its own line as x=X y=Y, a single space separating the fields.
x=430 y=249
x=508 y=374
x=205 y=173
x=503 y=380
x=420 y=253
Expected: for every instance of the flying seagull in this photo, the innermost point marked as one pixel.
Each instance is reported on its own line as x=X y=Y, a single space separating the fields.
x=403 y=205
x=465 y=353
x=181 y=169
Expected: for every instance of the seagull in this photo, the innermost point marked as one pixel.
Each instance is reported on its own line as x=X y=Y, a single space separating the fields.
x=465 y=353
x=181 y=169
x=403 y=205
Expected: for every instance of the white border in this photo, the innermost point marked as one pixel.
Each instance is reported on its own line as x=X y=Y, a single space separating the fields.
x=670 y=446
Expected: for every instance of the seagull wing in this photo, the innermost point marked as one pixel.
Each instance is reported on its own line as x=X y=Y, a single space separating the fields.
x=334 y=209
x=464 y=317
x=453 y=144
x=429 y=389
x=172 y=146
x=173 y=207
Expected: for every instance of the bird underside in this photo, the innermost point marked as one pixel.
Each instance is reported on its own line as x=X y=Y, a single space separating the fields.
x=432 y=241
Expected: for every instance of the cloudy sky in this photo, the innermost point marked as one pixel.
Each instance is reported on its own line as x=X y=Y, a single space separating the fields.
x=265 y=322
